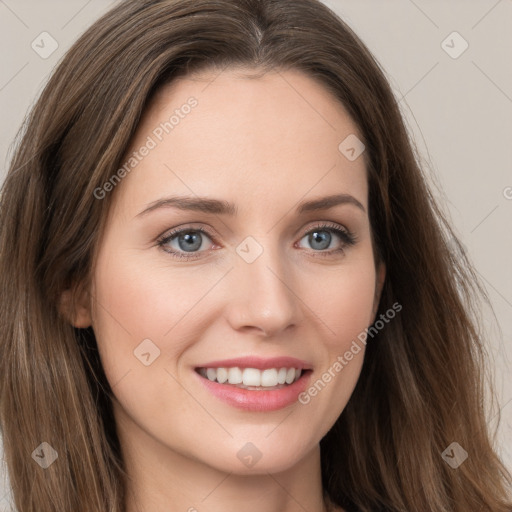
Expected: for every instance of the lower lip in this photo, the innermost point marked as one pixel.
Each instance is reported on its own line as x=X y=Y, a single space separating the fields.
x=252 y=400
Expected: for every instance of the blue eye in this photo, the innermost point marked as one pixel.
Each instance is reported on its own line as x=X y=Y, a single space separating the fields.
x=186 y=243
x=188 y=240
x=320 y=238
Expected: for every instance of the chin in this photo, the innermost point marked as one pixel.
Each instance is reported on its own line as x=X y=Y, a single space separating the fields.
x=261 y=455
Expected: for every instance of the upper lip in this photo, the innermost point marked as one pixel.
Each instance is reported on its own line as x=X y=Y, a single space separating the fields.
x=259 y=362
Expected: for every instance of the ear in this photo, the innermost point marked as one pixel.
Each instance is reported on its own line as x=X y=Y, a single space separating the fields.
x=75 y=306
x=379 y=284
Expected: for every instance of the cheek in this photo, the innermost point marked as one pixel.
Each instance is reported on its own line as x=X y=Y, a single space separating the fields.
x=346 y=309
x=345 y=303
x=144 y=317
x=136 y=301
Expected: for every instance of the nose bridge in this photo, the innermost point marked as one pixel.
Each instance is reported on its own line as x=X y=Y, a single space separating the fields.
x=263 y=287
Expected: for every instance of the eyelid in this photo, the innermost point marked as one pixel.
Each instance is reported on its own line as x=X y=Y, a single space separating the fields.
x=326 y=225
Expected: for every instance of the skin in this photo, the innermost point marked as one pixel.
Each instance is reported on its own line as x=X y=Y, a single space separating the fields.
x=263 y=144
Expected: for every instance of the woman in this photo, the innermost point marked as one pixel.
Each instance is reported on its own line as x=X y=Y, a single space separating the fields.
x=226 y=283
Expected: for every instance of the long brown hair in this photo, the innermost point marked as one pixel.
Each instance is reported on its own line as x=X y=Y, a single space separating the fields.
x=423 y=382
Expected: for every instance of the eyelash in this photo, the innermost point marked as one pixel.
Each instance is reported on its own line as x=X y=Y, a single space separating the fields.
x=347 y=237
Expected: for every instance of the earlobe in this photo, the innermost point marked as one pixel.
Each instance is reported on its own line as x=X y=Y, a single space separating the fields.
x=77 y=312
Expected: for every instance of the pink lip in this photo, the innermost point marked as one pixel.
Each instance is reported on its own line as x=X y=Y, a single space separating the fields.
x=258 y=362
x=253 y=400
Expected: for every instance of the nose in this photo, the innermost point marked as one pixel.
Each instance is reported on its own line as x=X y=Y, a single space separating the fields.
x=262 y=297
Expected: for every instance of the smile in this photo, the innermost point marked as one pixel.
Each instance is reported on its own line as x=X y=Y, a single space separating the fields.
x=252 y=378
x=252 y=389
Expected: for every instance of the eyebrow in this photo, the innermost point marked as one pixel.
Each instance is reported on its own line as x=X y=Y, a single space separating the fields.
x=220 y=207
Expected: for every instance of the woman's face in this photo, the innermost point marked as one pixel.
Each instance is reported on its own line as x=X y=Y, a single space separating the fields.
x=247 y=278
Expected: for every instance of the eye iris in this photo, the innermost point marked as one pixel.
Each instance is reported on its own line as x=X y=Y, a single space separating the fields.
x=322 y=237
x=192 y=241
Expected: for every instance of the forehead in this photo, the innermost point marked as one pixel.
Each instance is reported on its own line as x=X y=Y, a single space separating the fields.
x=271 y=138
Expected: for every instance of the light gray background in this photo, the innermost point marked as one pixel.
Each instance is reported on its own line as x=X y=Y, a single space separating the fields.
x=459 y=111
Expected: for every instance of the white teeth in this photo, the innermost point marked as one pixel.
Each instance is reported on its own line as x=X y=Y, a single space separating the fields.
x=269 y=377
x=252 y=377
x=235 y=376
x=290 y=375
x=222 y=375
